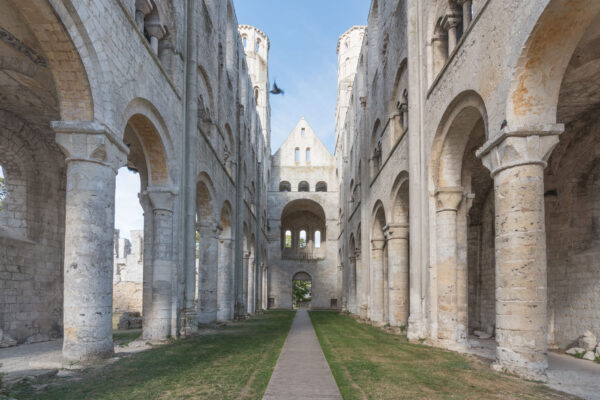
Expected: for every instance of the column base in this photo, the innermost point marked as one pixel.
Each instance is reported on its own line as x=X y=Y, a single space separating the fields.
x=86 y=352
x=416 y=329
x=512 y=362
x=189 y=322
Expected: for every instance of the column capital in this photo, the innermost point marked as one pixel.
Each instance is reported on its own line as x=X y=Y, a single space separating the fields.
x=396 y=231
x=246 y=255
x=448 y=198
x=461 y=2
x=154 y=26
x=352 y=259
x=377 y=244
x=161 y=198
x=90 y=141
x=144 y=6
x=522 y=146
x=357 y=254
x=451 y=21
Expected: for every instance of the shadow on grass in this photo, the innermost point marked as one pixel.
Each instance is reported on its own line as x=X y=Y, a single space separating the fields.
x=368 y=362
x=236 y=361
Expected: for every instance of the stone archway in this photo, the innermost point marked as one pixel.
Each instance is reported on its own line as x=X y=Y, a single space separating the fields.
x=462 y=187
x=301 y=290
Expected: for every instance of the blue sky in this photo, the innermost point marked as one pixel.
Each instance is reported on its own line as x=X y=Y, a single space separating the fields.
x=302 y=58
x=303 y=36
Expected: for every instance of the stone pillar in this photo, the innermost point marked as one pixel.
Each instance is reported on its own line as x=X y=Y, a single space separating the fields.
x=147 y=266
x=398 y=274
x=517 y=160
x=439 y=44
x=142 y=8
x=155 y=29
x=447 y=202
x=451 y=24
x=93 y=156
x=225 y=288
x=207 y=277
x=251 y=284
x=265 y=289
x=376 y=291
x=243 y=301
x=352 y=284
x=466 y=12
x=161 y=201
x=362 y=287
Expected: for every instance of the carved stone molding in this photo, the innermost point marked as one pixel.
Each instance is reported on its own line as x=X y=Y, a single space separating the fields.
x=528 y=145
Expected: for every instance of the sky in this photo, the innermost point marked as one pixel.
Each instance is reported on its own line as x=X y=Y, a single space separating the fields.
x=302 y=58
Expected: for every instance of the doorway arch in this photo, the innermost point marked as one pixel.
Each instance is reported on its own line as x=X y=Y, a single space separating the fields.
x=301 y=290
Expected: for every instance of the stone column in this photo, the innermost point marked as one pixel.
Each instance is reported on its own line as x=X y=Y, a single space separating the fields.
x=147 y=263
x=93 y=156
x=451 y=24
x=517 y=160
x=207 y=277
x=447 y=202
x=142 y=8
x=161 y=201
x=352 y=284
x=362 y=287
x=376 y=289
x=439 y=44
x=398 y=274
x=265 y=291
x=225 y=288
x=156 y=30
x=251 y=284
x=466 y=12
x=243 y=301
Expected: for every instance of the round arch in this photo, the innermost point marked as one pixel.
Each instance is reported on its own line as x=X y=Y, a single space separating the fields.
x=538 y=71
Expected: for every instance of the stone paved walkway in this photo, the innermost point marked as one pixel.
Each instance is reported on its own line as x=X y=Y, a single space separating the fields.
x=302 y=371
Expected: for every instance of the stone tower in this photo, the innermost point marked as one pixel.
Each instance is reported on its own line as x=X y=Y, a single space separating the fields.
x=256 y=46
x=348 y=51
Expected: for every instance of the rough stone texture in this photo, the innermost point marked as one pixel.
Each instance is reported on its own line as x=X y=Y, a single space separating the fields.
x=311 y=211
x=512 y=255
x=79 y=74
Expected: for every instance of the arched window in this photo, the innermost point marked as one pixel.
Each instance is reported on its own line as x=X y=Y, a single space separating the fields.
x=288 y=239
x=303 y=131
x=285 y=186
x=321 y=187
x=317 y=239
x=257 y=45
x=297 y=154
x=302 y=239
x=245 y=40
x=303 y=187
x=256 y=94
x=308 y=154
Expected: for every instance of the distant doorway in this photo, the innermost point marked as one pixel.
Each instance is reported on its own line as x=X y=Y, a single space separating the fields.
x=301 y=290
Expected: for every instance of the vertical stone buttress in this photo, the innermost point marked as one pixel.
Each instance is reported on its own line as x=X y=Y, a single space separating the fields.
x=93 y=156
x=517 y=160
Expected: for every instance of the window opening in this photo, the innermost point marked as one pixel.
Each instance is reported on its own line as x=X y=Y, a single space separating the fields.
x=302 y=239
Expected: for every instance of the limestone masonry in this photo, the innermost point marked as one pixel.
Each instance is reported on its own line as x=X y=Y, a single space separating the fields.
x=461 y=204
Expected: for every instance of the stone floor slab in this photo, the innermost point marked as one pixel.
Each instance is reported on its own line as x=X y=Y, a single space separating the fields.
x=302 y=371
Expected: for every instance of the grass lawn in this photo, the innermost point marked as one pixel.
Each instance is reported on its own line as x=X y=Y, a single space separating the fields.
x=369 y=363
x=229 y=362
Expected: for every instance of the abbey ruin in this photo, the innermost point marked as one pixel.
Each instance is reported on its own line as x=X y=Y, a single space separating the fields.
x=461 y=204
